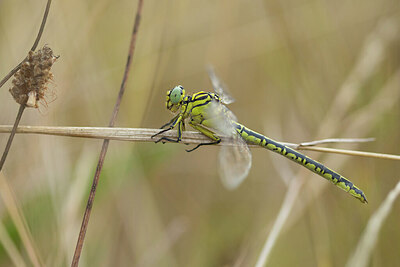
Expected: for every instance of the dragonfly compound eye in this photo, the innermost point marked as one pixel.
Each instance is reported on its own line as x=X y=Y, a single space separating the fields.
x=176 y=95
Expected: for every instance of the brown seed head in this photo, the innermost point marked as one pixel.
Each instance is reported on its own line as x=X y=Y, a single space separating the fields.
x=30 y=81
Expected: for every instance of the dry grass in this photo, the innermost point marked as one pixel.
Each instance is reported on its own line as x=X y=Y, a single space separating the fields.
x=314 y=69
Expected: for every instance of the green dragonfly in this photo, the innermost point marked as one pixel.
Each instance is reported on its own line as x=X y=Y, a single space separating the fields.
x=206 y=112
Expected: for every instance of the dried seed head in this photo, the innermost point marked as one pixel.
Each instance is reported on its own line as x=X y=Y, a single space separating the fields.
x=30 y=81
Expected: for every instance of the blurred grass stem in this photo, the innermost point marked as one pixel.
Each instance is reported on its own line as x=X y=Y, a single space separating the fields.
x=86 y=216
x=371 y=56
x=19 y=221
x=368 y=240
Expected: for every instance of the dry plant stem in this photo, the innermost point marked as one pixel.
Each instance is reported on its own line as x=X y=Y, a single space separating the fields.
x=10 y=247
x=368 y=240
x=350 y=152
x=5 y=79
x=17 y=219
x=290 y=198
x=9 y=75
x=188 y=137
x=82 y=233
x=369 y=59
x=34 y=46
x=138 y=134
x=10 y=203
x=11 y=137
x=337 y=140
x=45 y=15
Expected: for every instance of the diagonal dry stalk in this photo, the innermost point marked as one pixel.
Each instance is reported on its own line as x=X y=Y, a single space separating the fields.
x=9 y=75
x=16 y=215
x=86 y=216
x=368 y=240
x=18 y=218
x=10 y=247
x=369 y=59
x=361 y=123
x=11 y=137
x=34 y=46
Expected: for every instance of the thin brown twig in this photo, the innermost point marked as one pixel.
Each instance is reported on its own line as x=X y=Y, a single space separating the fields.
x=5 y=79
x=34 y=46
x=85 y=221
x=11 y=73
x=11 y=137
x=35 y=259
x=41 y=29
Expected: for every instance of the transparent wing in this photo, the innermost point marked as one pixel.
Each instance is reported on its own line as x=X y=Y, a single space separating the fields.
x=219 y=87
x=234 y=164
x=234 y=160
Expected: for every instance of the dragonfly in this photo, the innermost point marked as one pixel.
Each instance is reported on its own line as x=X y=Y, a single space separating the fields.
x=207 y=113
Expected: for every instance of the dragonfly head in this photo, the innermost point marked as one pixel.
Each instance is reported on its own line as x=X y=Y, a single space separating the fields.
x=174 y=98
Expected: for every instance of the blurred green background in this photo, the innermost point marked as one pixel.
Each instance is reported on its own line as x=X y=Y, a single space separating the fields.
x=299 y=70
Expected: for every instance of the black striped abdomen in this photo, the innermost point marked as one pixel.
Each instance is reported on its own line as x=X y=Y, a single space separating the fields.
x=258 y=139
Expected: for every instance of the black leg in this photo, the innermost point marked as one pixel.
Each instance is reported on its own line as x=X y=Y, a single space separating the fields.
x=160 y=132
x=169 y=123
x=203 y=144
x=164 y=139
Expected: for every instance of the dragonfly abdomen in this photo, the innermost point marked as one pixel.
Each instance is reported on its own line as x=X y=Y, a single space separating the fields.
x=258 y=139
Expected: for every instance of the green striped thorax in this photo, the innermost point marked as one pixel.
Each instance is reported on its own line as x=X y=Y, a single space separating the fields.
x=174 y=98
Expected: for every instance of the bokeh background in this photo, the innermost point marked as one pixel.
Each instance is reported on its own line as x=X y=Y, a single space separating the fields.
x=299 y=70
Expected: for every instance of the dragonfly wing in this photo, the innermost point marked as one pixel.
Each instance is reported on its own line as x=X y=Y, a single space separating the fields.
x=219 y=87
x=235 y=159
x=234 y=163
x=220 y=118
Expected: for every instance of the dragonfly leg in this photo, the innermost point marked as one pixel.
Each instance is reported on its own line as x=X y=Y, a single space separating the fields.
x=160 y=132
x=170 y=122
x=181 y=126
x=206 y=132
x=166 y=139
x=203 y=144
